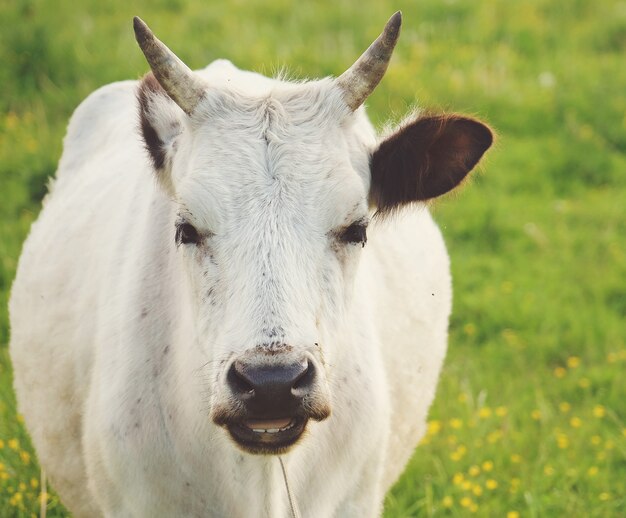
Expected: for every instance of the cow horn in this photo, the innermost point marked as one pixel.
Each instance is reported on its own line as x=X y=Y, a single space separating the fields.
x=176 y=78
x=359 y=81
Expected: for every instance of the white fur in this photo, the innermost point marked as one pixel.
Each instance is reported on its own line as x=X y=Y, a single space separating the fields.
x=117 y=343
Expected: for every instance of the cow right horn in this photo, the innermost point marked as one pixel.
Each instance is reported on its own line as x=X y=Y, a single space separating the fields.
x=176 y=78
x=359 y=81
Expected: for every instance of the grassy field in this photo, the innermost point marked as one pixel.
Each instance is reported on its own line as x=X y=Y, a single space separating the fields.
x=530 y=417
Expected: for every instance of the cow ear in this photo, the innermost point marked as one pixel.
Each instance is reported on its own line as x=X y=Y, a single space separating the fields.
x=426 y=158
x=161 y=122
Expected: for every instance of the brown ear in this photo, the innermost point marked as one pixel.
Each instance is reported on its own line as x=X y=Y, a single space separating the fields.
x=426 y=158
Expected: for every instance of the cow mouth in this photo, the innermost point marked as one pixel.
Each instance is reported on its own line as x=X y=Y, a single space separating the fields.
x=267 y=436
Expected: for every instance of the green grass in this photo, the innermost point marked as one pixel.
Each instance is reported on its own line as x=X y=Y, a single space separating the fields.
x=530 y=416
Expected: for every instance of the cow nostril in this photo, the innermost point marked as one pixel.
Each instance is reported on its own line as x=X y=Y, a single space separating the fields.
x=237 y=380
x=304 y=380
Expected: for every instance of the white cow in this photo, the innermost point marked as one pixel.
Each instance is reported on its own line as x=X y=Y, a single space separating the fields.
x=172 y=338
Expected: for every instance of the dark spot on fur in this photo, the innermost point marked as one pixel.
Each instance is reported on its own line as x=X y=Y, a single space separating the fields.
x=144 y=312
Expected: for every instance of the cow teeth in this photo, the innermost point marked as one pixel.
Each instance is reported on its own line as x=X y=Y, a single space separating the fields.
x=273 y=430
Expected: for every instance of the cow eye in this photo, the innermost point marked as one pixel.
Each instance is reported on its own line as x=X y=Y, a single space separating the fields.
x=186 y=233
x=354 y=234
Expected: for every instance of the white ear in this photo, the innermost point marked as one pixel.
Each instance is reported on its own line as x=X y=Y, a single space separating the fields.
x=161 y=123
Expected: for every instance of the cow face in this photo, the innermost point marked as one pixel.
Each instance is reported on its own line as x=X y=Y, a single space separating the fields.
x=273 y=192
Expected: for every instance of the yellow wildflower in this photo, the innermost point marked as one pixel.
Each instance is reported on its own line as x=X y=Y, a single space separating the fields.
x=548 y=470
x=34 y=483
x=575 y=422
x=477 y=489
x=599 y=411
x=14 y=444
x=466 y=485
x=573 y=362
x=4 y=475
x=447 y=501
x=16 y=499
x=491 y=484
x=1 y=444
x=22 y=486
x=562 y=441
x=512 y=514
x=592 y=471
x=516 y=458
x=560 y=372
x=565 y=407
x=473 y=508
x=487 y=465
x=501 y=411
x=604 y=496
x=456 y=423
x=434 y=427
x=474 y=471
x=19 y=418
x=609 y=445
x=584 y=383
x=11 y=120
x=484 y=412
x=466 y=501
x=536 y=415
x=457 y=478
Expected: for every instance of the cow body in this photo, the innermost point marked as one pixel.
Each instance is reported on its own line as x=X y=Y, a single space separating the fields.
x=122 y=356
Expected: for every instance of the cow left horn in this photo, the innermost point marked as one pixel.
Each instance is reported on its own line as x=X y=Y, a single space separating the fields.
x=359 y=81
x=176 y=78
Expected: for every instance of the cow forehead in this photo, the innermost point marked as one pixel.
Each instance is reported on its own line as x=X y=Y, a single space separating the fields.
x=285 y=152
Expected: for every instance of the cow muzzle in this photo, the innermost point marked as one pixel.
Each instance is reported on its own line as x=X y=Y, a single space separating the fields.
x=272 y=397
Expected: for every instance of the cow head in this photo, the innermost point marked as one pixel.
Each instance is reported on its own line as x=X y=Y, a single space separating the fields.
x=273 y=194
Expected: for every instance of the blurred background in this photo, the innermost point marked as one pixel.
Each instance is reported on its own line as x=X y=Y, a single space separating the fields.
x=530 y=416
